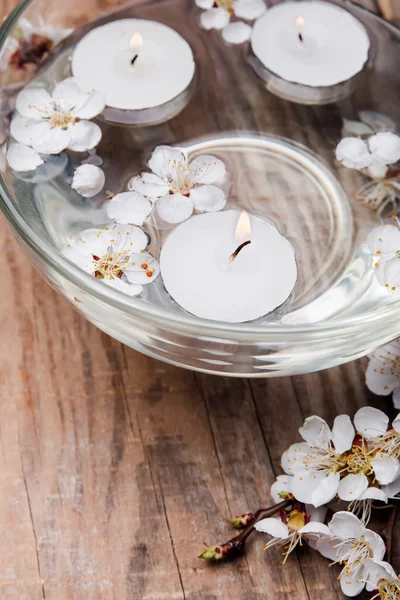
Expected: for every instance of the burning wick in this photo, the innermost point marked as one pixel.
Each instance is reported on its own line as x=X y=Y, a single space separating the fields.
x=135 y=45
x=243 y=231
x=300 y=24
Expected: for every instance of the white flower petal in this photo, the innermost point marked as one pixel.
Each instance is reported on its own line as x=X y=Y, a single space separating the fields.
x=378 y=570
x=370 y=422
x=33 y=103
x=396 y=424
x=150 y=185
x=129 y=207
x=345 y=525
x=249 y=9
x=81 y=257
x=377 y=170
x=236 y=33
x=205 y=4
x=316 y=490
x=352 y=486
x=281 y=485
x=84 y=136
x=208 y=198
x=316 y=514
x=353 y=584
x=68 y=95
x=143 y=268
x=328 y=547
x=343 y=433
x=130 y=289
x=373 y=493
x=381 y=383
x=39 y=135
x=316 y=432
x=174 y=208
x=274 y=527
x=388 y=274
x=386 y=468
x=95 y=241
x=353 y=153
x=214 y=18
x=93 y=105
x=355 y=129
x=163 y=159
x=377 y=544
x=377 y=121
x=207 y=169
x=23 y=158
x=396 y=398
x=293 y=458
x=393 y=489
x=88 y=180
x=128 y=239
x=385 y=147
x=315 y=527
x=384 y=241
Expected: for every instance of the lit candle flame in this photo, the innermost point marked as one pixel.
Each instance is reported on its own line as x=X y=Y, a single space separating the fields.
x=242 y=233
x=300 y=22
x=136 y=42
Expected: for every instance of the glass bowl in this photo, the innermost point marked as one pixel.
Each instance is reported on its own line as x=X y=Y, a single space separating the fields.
x=281 y=162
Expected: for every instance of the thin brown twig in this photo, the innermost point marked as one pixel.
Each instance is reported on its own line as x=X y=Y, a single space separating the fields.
x=236 y=546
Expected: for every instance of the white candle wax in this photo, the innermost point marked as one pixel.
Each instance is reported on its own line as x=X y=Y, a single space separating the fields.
x=164 y=67
x=198 y=273
x=332 y=47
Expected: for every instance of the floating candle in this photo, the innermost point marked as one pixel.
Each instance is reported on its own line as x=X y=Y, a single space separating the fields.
x=311 y=43
x=228 y=267
x=137 y=64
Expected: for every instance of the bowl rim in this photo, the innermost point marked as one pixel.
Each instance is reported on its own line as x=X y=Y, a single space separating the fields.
x=179 y=322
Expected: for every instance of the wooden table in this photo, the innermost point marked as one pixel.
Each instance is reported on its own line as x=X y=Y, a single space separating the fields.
x=115 y=468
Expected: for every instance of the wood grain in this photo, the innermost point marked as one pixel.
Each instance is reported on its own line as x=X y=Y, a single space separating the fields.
x=114 y=468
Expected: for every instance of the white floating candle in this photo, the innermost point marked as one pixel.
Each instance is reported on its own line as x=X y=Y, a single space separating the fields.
x=311 y=43
x=228 y=267
x=137 y=64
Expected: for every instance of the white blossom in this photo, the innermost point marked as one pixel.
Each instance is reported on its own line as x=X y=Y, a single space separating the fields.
x=353 y=153
x=52 y=123
x=88 y=180
x=115 y=255
x=292 y=529
x=180 y=185
x=351 y=544
x=236 y=33
x=384 y=244
x=382 y=578
x=380 y=149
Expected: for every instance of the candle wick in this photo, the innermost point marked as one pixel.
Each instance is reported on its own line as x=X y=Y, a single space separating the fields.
x=134 y=59
x=238 y=249
x=301 y=38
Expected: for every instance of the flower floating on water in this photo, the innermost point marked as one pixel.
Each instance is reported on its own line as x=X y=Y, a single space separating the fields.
x=218 y=13
x=353 y=545
x=30 y=44
x=116 y=256
x=179 y=185
x=384 y=244
x=88 y=180
x=51 y=123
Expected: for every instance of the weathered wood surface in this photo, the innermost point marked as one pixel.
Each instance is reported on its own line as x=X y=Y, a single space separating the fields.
x=114 y=468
